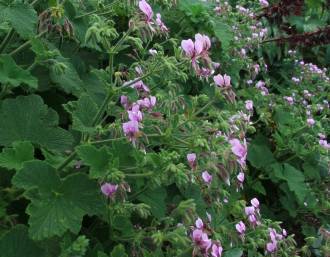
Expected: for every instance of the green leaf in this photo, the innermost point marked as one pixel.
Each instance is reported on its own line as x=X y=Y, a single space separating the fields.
x=224 y=33
x=295 y=180
x=14 y=75
x=22 y=17
x=15 y=156
x=97 y=159
x=156 y=200
x=16 y=243
x=259 y=154
x=68 y=79
x=27 y=118
x=60 y=204
x=118 y=251
x=236 y=252
x=83 y=113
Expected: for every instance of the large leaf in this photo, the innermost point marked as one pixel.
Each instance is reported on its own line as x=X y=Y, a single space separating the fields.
x=97 y=159
x=295 y=180
x=27 y=118
x=236 y=252
x=60 y=204
x=13 y=75
x=224 y=33
x=67 y=79
x=22 y=17
x=156 y=200
x=16 y=243
x=15 y=156
x=259 y=154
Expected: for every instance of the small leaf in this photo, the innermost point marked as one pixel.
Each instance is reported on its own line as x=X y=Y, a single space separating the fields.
x=97 y=159
x=15 y=156
x=14 y=75
x=236 y=252
x=118 y=251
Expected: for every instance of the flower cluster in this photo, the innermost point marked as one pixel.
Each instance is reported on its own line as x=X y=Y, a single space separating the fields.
x=202 y=243
x=252 y=213
x=148 y=13
x=134 y=110
x=198 y=53
x=274 y=237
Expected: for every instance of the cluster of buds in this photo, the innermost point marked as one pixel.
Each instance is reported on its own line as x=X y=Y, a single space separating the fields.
x=323 y=141
x=239 y=149
x=261 y=85
x=222 y=8
x=252 y=213
x=202 y=243
x=134 y=110
x=274 y=237
x=198 y=53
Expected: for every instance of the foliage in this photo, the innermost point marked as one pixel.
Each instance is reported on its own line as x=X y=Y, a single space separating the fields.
x=168 y=128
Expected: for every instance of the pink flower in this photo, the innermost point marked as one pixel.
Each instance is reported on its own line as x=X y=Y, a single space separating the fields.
x=188 y=47
x=124 y=101
x=131 y=129
x=146 y=9
x=240 y=177
x=207 y=177
x=289 y=99
x=249 y=210
x=271 y=247
x=191 y=157
x=202 y=44
x=199 y=223
x=147 y=103
x=140 y=86
x=249 y=105
x=310 y=122
x=109 y=189
x=253 y=220
x=264 y=3
x=135 y=114
x=240 y=227
x=255 y=203
x=222 y=81
x=284 y=233
x=216 y=250
x=201 y=239
x=160 y=23
x=152 y=52
x=240 y=150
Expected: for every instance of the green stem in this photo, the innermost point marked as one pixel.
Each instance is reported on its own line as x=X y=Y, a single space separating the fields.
x=204 y=107
x=6 y=40
x=26 y=44
x=96 y=11
x=139 y=175
x=67 y=161
x=107 y=140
